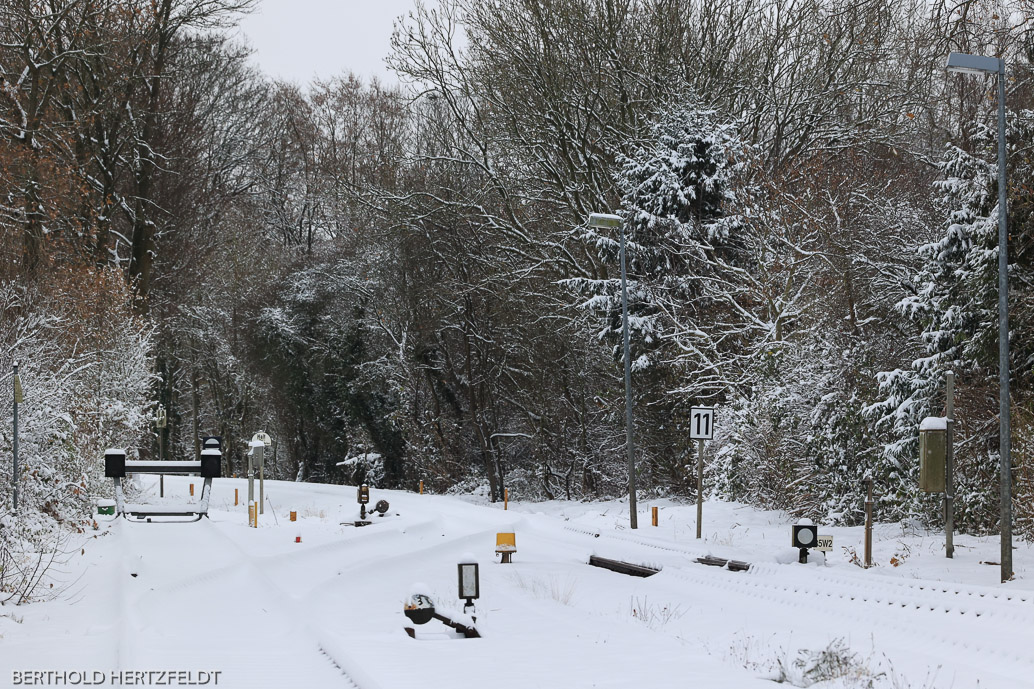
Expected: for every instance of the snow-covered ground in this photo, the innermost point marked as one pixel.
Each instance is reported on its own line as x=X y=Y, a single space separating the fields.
x=169 y=604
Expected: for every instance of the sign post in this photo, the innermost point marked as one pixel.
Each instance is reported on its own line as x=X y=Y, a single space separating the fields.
x=868 y=523
x=259 y=442
x=160 y=421
x=701 y=428
x=17 y=401
x=254 y=457
x=949 y=470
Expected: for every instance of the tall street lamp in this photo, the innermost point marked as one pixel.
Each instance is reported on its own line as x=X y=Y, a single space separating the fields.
x=613 y=222
x=980 y=65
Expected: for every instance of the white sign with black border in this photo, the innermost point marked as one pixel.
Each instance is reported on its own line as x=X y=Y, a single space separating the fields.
x=701 y=423
x=825 y=543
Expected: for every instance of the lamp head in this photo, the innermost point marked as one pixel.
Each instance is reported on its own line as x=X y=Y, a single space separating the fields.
x=974 y=64
x=605 y=221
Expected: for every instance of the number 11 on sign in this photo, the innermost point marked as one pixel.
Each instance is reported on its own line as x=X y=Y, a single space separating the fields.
x=701 y=428
x=701 y=423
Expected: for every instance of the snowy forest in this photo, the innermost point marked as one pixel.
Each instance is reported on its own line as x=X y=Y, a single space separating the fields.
x=398 y=282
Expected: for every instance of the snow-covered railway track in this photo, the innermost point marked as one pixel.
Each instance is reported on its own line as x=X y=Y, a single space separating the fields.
x=348 y=547
x=935 y=595
x=876 y=594
x=125 y=607
x=956 y=628
x=949 y=597
x=956 y=633
x=186 y=582
x=880 y=591
x=328 y=588
x=959 y=591
x=287 y=605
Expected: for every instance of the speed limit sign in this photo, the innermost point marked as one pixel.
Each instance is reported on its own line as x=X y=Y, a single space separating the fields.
x=701 y=423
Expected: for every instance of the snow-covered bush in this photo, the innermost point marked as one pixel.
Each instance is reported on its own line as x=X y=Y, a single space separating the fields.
x=85 y=369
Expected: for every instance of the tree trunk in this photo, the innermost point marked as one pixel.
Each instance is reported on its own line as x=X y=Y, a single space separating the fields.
x=194 y=407
x=144 y=248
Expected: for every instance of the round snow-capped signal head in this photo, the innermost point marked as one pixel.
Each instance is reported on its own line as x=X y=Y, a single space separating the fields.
x=419 y=609
x=804 y=536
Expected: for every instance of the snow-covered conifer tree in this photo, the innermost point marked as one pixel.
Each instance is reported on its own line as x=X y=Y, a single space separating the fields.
x=956 y=306
x=684 y=257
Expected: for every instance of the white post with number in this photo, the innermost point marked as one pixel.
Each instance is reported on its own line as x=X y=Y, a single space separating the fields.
x=701 y=428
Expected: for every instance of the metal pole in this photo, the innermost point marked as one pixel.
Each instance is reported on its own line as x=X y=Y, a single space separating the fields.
x=161 y=457
x=262 y=479
x=1003 y=339
x=949 y=470
x=628 y=389
x=251 y=476
x=700 y=486
x=868 y=524
x=14 y=474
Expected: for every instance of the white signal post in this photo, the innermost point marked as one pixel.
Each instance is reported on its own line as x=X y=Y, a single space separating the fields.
x=701 y=428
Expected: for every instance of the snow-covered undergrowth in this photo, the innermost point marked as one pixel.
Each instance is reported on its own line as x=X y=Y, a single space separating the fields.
x=836 y=665
x=85 y=373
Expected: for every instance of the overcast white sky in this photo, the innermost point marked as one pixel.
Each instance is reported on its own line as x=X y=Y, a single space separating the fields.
x=301 y=39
